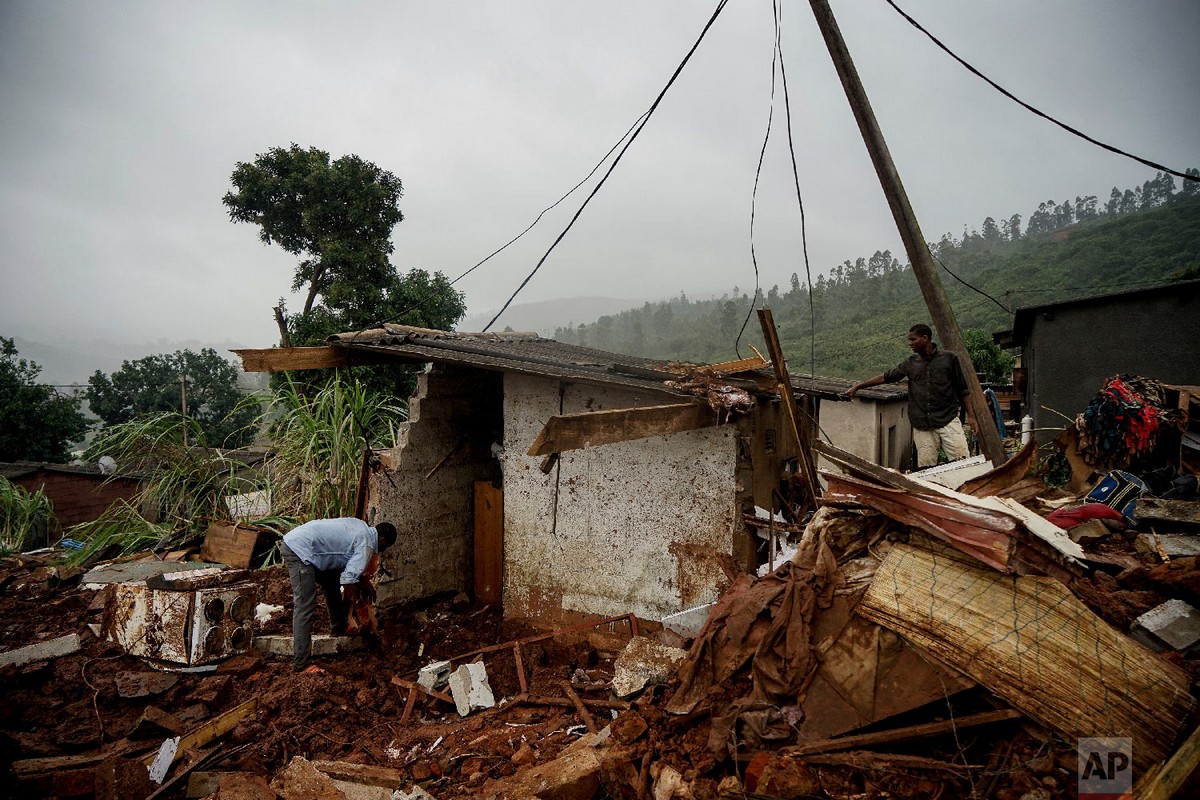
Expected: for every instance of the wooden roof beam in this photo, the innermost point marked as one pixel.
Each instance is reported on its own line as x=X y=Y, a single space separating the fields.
x=280 y=359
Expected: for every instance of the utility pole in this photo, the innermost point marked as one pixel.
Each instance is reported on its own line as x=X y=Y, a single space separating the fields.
x=910 y=232
x=183 y=404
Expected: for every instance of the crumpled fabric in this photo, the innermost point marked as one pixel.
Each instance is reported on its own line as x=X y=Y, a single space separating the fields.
x=767 y=623
x=1067 y=518
x=1123 y=421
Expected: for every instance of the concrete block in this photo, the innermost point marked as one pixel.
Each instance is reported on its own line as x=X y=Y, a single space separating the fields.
x=322 y=644
x=688 y=623
x=434 y=675
x=470 y=689
x=300 y=780
x=1175 y=545
x=1089 y=531
x=42 y=651
x=644 y=662
x=1174 y=625
x=415 y=793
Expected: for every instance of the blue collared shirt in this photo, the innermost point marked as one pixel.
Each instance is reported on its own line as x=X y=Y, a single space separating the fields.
x=345 y=543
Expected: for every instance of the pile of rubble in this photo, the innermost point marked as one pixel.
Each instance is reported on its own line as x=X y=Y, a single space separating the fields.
x=919 y=641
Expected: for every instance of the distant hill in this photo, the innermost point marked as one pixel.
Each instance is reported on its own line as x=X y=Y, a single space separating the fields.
x=547 y=315
x=861 y=311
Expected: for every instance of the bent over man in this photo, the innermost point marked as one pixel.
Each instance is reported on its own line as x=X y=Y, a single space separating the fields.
x=936 y=392
x=332 y=554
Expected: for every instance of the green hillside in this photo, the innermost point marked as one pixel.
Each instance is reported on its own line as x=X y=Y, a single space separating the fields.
x=861 y=311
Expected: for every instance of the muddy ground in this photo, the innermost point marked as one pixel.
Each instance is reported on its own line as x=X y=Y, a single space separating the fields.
x=97 y=700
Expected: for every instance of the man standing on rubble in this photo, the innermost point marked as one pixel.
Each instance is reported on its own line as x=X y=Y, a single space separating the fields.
x=332 y=554
x=936 y=392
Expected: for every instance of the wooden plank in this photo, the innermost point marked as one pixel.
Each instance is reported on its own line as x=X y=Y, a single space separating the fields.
x=229 y=544
x=489 y=542
x=579 y=706
x=904 y=734
x=1162 y=784
x=1035 y=645
x=1153 y=509
x=741 y=365
x=576 y=431
x=213 y=729
x=800 y=432
x=407 y=684
x=279 y=359
x=1008 y=474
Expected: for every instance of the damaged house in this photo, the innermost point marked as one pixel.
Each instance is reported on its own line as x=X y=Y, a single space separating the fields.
x=561 y=482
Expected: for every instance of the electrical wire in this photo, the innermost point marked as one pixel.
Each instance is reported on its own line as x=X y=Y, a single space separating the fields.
x=1003 y=307
x=812 y=314
x=757 y=175
x=571 y=191
x=1038 y=112
x=640 y=127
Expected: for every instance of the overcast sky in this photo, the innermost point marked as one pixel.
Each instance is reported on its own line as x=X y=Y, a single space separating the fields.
x=122 y=121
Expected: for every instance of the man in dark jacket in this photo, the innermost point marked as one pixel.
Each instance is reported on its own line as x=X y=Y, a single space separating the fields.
x=937 y=391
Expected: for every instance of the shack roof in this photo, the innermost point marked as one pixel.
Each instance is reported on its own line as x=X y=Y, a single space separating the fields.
x=532 y=354
x=1024 y=316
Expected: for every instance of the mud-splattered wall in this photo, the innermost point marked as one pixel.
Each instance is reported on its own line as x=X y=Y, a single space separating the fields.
x=622 y=527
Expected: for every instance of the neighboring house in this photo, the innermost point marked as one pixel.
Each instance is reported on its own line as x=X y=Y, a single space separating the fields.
x=79 y=492
x=1070 y=348
x=633 y=510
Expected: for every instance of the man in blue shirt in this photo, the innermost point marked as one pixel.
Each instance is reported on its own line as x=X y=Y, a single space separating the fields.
x=332 y=554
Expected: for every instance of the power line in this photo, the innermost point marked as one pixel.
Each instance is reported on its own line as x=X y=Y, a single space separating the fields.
x=1003 y=307
x=758 y=174
x=640 y=127
x=1042 y=114
x=555 y=203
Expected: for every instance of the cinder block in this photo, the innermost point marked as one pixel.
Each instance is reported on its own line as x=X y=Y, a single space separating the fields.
x=1175 y=545
x=322 y=645
x=1174 y=625
x=470 y=689
x=42 y=651
x=434 y=675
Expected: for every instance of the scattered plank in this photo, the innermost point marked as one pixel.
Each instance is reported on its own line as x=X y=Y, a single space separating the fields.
x=42 y=651
x=1165 y=781
x=904 y=734
x=213 y=729
x=1153 y=509
x=576 y=431
x=230 y=544
x=412 y=685
x=579 y=706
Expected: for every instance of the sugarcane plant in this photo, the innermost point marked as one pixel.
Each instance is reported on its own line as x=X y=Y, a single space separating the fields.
x=318 y=440
x=25 y=517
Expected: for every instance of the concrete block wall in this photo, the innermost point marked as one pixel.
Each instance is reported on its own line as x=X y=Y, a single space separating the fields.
x=633 y=526
x=457 y=412
x=77 y=498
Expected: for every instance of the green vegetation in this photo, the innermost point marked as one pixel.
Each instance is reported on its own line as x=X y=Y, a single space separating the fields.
x=25 y=517
x=119 y=531
x=863 y=309
x=36 y=422
x=154 y=385
x=319 y=442
x=338 y=218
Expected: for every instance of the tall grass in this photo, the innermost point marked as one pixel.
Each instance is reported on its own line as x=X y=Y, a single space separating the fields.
x=119 y=531
x=25 y=517
x=184 y=481
x=319 y=441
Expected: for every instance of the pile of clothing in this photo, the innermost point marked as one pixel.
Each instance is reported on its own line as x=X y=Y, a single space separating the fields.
x=1122 y=423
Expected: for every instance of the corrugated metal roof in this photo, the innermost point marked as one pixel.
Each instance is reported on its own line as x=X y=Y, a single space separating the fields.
x=531 y=354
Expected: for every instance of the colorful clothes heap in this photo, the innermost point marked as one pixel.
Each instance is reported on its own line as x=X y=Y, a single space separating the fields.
x=1122 y=423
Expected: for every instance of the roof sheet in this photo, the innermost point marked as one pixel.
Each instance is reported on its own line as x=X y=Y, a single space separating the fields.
x=534 y=355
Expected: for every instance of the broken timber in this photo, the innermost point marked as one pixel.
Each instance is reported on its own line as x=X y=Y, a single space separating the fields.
x=1034 y=644
x=576 y=431
x=787 y=397
x=279 y=359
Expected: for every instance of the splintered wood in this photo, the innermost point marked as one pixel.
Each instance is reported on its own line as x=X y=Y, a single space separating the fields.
x=1034 y=644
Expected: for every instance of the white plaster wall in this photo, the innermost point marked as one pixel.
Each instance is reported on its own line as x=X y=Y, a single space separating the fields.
x=636 y=524
x=860 y=427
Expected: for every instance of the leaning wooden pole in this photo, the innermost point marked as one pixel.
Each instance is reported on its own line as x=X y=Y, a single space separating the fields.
x=910 y=231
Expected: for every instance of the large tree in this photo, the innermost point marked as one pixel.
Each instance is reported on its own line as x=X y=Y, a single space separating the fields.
x=337 y=216
x=36 y=422
x=157 y=383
